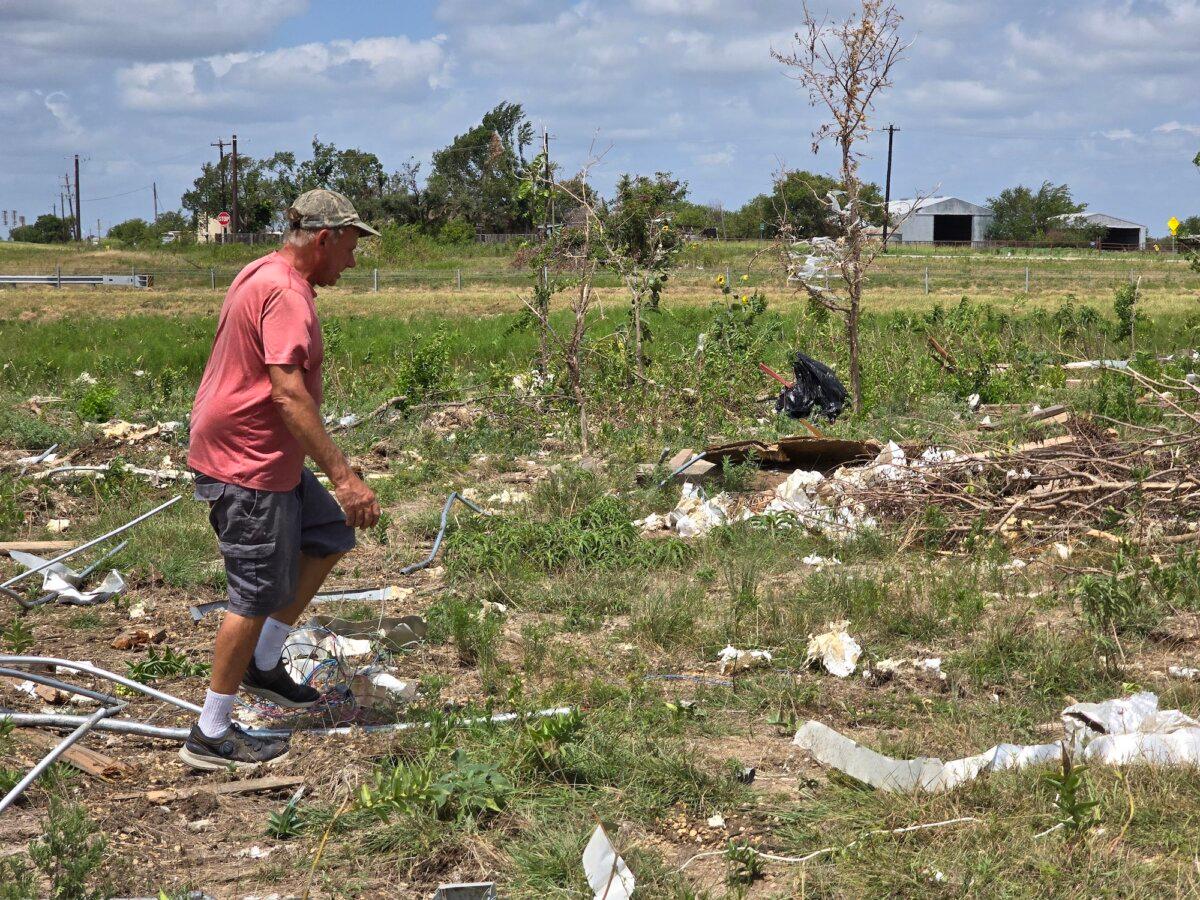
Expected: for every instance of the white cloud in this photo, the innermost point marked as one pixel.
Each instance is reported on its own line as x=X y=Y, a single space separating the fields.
x=395 y=65
x=1174 y=127
x=59 y=105
x=1119 y=134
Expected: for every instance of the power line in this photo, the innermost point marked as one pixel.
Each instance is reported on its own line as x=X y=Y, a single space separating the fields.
x=144 y=187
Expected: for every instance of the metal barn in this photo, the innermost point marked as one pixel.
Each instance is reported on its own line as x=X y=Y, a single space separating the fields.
x=1119 y=234
x=939 y=220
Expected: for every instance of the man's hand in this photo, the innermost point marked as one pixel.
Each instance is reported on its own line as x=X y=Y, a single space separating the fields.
x=357 y=501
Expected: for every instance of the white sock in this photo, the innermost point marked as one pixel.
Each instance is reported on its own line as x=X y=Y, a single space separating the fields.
x=270 y=643
x=217 y=714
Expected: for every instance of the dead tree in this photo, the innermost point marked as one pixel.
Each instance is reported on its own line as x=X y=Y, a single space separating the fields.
x=844 y=66
x=574 y=249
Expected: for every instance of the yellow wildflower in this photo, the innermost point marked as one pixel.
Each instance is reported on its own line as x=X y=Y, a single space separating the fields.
x=721 y=281
x=745 y=278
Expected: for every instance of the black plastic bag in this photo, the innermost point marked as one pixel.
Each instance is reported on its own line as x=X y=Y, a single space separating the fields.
x=816 y=391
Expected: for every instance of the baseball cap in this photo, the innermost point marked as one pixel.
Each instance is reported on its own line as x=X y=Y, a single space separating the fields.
x=325 y=209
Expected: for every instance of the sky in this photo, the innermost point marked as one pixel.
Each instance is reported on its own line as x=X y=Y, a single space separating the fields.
x=1101 y=96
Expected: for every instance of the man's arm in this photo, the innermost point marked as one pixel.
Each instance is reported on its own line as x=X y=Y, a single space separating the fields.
x=303 y=419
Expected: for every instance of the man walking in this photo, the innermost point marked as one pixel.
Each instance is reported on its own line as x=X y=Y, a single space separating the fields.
x=256 y=417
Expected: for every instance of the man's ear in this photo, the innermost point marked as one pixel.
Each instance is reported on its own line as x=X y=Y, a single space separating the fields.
x=322 y=238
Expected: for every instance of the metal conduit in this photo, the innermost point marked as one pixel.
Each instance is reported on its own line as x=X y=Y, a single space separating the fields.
x=99 y=673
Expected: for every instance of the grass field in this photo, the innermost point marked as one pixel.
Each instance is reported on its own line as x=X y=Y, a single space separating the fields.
x=598 y=614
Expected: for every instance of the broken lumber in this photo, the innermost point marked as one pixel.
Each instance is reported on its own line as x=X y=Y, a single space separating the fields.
x=88 y=761
x=34 y=546
x=249 y=786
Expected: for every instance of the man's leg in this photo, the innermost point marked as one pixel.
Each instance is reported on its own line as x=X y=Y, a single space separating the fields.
x=234 y=646
x=313 y=572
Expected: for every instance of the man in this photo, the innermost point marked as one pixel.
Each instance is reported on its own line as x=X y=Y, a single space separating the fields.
x=256 y=417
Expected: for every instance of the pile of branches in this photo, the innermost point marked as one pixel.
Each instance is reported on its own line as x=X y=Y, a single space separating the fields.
x=1087 y=483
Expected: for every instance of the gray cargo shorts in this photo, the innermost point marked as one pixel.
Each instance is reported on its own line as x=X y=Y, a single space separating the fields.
x=261 y=534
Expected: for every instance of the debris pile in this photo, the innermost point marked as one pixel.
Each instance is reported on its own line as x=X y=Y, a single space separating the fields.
x=1055 y=490
x=1128 y=731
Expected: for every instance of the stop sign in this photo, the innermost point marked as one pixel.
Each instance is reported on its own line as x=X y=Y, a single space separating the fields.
x=223 y=219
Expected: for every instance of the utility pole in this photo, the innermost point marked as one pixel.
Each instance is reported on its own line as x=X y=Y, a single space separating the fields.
x=78 y=210
x=69 y=205
x=549 y=190
x=220 y=145
x=887 y=188
x=237 y=225
x=154 y=184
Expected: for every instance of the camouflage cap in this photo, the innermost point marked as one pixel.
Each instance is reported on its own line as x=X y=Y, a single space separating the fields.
x=325 y=209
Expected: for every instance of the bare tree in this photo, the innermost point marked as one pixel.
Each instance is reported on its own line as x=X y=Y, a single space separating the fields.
x=573 y=251
x=844 y=66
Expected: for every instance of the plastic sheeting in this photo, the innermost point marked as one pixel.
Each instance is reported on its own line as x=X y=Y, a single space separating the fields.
x=1127 y=731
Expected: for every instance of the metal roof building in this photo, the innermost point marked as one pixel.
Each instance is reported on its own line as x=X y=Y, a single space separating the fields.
x=939 y=220
x=1118 y=233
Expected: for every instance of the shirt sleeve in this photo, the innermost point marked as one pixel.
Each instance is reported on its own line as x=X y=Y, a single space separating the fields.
x=287 y=328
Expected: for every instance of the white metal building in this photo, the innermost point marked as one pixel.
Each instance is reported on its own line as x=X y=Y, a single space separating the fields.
x=940 y=220
x=1118 y=233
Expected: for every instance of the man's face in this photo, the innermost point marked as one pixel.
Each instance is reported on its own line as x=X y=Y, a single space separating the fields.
x=333 y=255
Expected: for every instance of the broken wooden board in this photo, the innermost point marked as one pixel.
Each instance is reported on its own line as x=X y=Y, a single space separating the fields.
x=249 y=786
x=89 y=761
x=814 y=454
x=34 y=546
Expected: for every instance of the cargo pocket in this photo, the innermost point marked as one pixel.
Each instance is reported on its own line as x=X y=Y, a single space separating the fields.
x=248 y=569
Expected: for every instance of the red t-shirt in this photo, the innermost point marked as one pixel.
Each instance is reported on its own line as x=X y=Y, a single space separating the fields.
x=237 y=434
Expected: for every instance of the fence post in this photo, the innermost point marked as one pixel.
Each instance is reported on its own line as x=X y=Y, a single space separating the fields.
x=375 y=280
x=1027 y=279
x=212 y=277
x=927 y=279
x=546 y=277
x=458 y=279
x=58 y=276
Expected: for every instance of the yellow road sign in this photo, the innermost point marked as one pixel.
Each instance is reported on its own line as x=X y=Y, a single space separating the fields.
x=1173 y=224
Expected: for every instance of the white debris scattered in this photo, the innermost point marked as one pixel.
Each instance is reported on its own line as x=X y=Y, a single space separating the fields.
x=607 y=874
x=509 y=498
x=1062 y=550
x=820 y=562
x=1187 y=673
x=694 y=515
x=491 y=608
x=66 y=592
x=734 y=660
x=973 y=402
x=377 y=685
x=890 y=667
x=58 y=526
x=716 y=821
x=137 y=610
x=835 y=650
x=1015 y=565
x=1128 y=731
x=85 y=378
x=256 y=852
x=64 y=582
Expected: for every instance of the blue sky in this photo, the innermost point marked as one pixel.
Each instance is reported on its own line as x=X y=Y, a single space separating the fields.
x=1101 y=96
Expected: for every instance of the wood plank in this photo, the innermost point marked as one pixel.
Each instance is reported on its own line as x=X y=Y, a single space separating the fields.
x=35 y=546
x=249 y=786
x=90 y=761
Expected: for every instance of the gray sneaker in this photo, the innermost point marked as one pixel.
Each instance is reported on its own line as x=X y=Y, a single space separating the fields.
x=277 y=686
x=235 y=749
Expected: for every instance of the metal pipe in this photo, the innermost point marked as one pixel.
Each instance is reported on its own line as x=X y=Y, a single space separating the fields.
x=92 y=543
x=39 y=678
x=437 y=541
x=99 y=673
x=687 y=465
x=141 y=729
x=32 y=775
